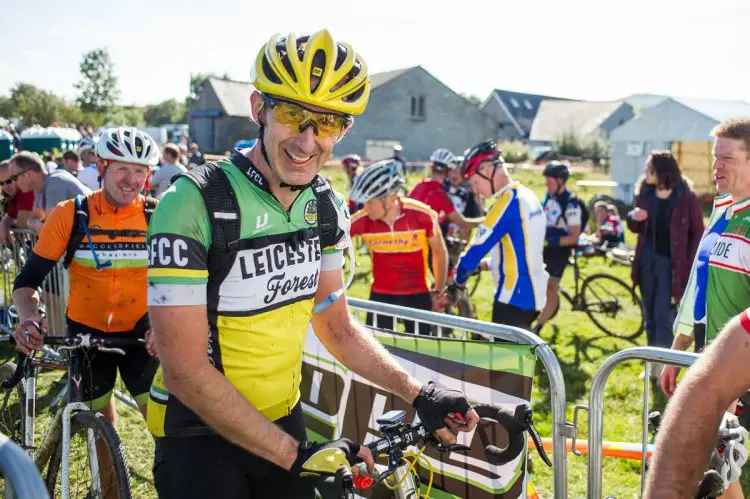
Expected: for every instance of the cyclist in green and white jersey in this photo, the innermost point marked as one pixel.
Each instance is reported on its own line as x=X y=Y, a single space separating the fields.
x=719 y=285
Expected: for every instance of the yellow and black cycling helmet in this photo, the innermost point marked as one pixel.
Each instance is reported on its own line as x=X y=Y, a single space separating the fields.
x=314 y=70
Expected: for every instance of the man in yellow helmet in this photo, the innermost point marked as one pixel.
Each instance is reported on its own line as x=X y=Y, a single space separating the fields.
x=244 y=254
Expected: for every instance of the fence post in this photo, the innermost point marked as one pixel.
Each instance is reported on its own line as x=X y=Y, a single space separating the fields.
x=596 y=401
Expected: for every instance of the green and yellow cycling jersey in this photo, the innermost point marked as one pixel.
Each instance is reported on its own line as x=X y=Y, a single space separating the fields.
x=259 y=302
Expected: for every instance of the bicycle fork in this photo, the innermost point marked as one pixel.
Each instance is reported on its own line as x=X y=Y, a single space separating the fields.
x=67 y=415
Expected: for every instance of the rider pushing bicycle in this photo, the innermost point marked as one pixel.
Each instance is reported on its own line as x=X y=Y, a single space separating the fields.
x=564 y=225
x=245 y=254
x=513 y=234
x=107 y=258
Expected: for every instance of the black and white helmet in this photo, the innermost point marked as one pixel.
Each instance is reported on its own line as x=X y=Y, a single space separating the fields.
x=442 y=157
x=128 y=145
x=87 y=144
x=377 y=181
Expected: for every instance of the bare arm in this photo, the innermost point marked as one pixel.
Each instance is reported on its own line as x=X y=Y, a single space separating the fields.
x=181 y=335
x=354 y=346
x=682 y=342
x=688 y=433
x=439 y=259
x=26 y=301
x=23 y=218
x=457 y=218
x=572 y=238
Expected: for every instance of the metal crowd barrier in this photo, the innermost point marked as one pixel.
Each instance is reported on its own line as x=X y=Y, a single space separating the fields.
x=22 y=480
x=55 y=289
x=560 y=428
x=596 y=405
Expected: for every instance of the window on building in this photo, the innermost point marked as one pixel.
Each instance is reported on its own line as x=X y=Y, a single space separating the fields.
x=527 y=104
x=514 y=103
x=417 y=110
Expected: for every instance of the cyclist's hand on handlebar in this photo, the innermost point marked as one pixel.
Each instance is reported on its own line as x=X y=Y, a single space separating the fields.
x=441 y=410
x=28 y=334
x=484 y=264
x=669 y=380
x=354 y=453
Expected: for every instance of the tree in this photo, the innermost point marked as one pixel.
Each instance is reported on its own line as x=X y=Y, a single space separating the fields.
x=98 y=84
x=472 y=98
x=569 y=144
x=196 y=85
x=35 y=106
x=168 y=111
x=127 y=116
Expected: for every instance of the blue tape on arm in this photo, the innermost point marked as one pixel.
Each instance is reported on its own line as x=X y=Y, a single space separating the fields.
x=330 y=300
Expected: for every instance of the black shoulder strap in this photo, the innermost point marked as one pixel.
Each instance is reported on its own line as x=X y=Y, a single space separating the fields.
x=80 y=216
x=327 y=212
x=221 y=204
x=149 y=205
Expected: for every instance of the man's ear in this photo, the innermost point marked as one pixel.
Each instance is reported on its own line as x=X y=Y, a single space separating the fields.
x=256 y=107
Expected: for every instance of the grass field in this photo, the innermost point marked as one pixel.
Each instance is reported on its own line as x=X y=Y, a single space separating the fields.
x=580 y=348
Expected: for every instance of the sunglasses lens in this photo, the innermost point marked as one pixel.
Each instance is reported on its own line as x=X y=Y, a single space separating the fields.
x=293 y=116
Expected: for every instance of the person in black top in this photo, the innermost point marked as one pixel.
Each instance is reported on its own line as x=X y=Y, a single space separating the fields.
x=668 y=220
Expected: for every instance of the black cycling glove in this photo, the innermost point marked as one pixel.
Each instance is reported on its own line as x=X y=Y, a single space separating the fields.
x=306 y=450
x=434 y=403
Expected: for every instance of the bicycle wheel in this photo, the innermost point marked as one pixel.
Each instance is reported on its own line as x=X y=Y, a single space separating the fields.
x=613 y=306
x=113 y=477
x=12 y=420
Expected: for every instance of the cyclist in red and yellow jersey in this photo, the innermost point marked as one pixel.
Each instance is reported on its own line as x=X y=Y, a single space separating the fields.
x=400 y=232
x=103 y=239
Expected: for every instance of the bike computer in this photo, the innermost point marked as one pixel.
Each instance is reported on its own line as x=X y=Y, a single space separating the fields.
x=391 y=418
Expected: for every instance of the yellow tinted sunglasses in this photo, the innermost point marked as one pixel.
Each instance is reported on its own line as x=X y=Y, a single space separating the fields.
x=299 y=118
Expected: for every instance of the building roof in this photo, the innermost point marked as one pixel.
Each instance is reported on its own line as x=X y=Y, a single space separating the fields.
x=680 y=120
x=718 y=110
x=234 y=96
x=555 y=117
x=639 y=102
x=379 y=79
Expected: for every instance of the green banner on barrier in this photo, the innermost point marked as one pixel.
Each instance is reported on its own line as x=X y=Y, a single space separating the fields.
x=339 y=403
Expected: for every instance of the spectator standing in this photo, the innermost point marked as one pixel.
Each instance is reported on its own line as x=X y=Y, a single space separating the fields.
x=669 y=222
x=49 y=188
x=18 y=205
x=72 y=162
x=162 y=178
x=195 y=156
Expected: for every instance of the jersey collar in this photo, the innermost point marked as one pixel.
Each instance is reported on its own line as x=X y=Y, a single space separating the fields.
x=248 y=168
x=509 y=186
x=98 y=201
x=738 y=206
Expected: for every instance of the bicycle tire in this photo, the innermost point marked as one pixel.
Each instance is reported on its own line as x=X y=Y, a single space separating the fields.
x=12 y=420
x=90 y=420
x=593 y=308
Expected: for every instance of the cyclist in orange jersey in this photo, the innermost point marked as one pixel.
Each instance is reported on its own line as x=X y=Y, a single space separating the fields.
x=102 y=238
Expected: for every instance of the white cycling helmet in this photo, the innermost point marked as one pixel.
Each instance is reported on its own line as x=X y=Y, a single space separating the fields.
x=87 y=145
x=377 y=181
x=442 y=157
x=128 y=145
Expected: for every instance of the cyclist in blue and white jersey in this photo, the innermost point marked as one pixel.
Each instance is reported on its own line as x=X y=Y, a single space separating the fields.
x=512 y=233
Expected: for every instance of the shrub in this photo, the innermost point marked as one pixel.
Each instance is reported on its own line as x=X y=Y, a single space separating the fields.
x=514 y=152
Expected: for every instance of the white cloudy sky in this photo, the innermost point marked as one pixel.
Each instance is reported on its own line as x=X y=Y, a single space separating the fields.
x=588 y=49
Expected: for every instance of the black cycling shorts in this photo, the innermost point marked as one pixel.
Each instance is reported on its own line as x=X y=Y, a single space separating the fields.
x=420 y=301
x=556 y=259
x=137 y=367
x=209 y=466
x=502 y=313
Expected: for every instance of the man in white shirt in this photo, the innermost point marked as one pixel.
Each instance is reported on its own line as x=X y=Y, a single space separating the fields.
x=89 y=176
x=162 y=178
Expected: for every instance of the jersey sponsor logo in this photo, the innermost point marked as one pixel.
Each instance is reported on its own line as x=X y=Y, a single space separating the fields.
x=278 y=273
x=482 y=234
x=167 y=252
x=395 y=242
x=261 y=221
x=731 y=252
x=311 y=212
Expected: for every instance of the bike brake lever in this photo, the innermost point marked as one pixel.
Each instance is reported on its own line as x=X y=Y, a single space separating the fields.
x=529 y=423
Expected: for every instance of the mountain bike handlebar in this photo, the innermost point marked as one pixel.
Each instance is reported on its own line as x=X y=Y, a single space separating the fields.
x=398 y=436
x=102 y=343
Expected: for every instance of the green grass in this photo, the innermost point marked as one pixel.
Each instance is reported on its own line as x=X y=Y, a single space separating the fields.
x=579 y=346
